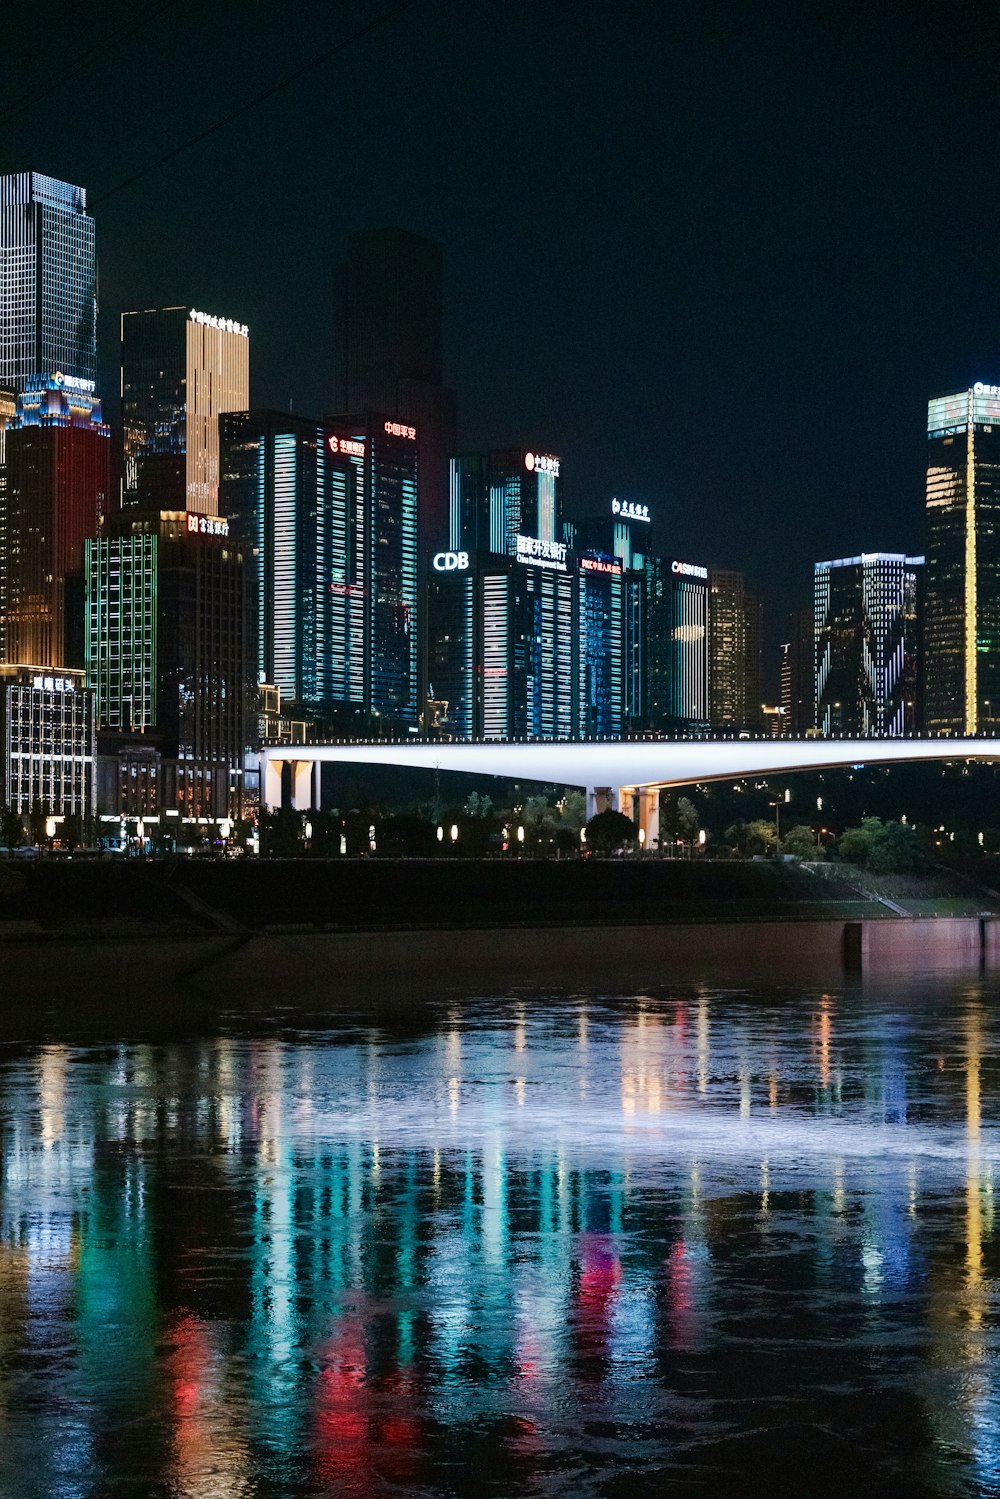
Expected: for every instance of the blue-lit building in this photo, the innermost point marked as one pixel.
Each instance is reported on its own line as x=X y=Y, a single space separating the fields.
x=326 y=513
x=676 y=679
x=48 y=282
x=496 y=497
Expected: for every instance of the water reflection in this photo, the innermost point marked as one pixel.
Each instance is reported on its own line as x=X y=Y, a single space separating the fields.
x=546 y=1247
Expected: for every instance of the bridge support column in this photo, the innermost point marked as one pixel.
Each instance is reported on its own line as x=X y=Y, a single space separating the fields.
x=601 y=799
x=626 y=802
x=270 y=791
x=649 y=816
x=317 y=786
x=301 y=784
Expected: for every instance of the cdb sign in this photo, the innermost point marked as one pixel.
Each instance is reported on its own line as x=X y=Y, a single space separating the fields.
x=450 y=562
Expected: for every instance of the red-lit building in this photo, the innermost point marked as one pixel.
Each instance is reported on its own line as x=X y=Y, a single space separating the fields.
x=58 y=480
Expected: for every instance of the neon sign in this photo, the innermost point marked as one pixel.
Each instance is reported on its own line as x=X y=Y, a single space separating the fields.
x=72 y=382
x=599 y=565
x=541 y=463
x=450 y=562
x=629 y=511
x=538 y=553
x=347 y=445
x=207 y=525
x=979 y=389
x=689 y=570
x=53 y=684
x=399 y=429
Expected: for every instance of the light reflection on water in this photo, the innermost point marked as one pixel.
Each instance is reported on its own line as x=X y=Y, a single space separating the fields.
x=563 y=1245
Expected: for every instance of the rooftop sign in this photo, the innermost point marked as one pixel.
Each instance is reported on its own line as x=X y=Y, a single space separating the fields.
x=400 y=429
x=688 y=570
x=541 y=463
x=207 y=525
x=629 y=511
x=224 y=324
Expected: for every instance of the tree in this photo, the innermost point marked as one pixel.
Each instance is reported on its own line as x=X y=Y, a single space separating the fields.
x=749 y=838
x=11 y=826
x=801 y=841
x=610 y=830
x=856 y=843
x=897 y=850
x=679 y=818
x=478 y=806
x=37 y=818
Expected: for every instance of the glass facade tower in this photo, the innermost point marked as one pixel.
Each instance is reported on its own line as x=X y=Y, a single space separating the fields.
x=48 y=282
x=962 y=607
x=867 y=623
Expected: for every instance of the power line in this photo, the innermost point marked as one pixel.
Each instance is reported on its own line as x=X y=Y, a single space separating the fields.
x=29 y=100
x=242 y=109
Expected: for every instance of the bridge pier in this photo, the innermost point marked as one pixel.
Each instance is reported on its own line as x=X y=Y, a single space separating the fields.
x=649 y=816
x=270 y=784
x=302 y=779
x=602 y=799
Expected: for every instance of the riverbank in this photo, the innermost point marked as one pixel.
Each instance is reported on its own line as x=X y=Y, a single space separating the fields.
x=132 y=942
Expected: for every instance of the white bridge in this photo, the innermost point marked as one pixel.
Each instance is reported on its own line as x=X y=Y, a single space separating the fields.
x=615 y=772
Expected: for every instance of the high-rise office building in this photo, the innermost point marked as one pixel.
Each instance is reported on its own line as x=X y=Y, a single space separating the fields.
x=291 y=497
x=8 y=406
x=676 y=696
x=56 y=488
x=867 y=645
x=166 y=651
x=47 y=742
x=504 y=650
x=388 y=353
x=498 y=497
x=327 y=512
x=734 y=633
x=48 y=283
x=181 y=370
x=962 y=608
x=797 y=669
x=623 y=533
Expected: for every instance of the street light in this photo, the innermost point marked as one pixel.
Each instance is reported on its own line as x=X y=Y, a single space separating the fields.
x=454 y=832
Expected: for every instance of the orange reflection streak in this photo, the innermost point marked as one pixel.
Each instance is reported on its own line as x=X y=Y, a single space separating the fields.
x=823 y=1027
x=973 y=1197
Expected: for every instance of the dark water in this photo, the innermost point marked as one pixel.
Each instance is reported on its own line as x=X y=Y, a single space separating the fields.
x=691 y=1242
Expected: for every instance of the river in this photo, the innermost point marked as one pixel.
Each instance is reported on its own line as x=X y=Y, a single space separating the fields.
x=698 y=1240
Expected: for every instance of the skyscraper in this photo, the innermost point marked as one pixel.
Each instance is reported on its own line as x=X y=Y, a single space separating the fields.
x=48 y=282
x=676 y=697
x=797 y=666
x=290 y=496
x=56 y=487
x=388 y=353
x=962 y=608
x=867 y=645
x=734 y=632
x=181 y=370
x=497 y=497
x=165 y=649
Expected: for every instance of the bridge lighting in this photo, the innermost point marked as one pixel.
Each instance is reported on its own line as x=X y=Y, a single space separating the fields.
x=520 y=835
x=440 y=833
x=454 y=832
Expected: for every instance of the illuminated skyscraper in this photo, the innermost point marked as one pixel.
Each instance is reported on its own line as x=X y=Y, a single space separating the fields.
x=734 y=636
x=327 y=514
x=962 y=609
x=503 y=649
x=867 y=645
x=798 y=675
x=166 y=652
x=499 y=496
x=56 y=488
x=676 y=696
x=181 y=370
x=290 y=500
x=388 y=353
x=48 y=282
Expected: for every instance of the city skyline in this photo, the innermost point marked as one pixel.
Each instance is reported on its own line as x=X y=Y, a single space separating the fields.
x=835 y=321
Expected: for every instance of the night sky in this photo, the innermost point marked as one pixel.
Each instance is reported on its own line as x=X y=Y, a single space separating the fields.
x=715 y=256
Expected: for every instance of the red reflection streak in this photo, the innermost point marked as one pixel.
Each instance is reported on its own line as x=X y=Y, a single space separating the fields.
x=680 y=1298
x=361 y=1432
x=188 y=1365
x=600 y=1272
